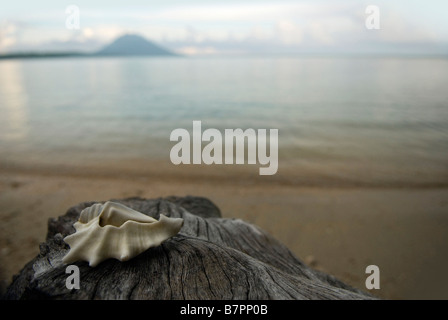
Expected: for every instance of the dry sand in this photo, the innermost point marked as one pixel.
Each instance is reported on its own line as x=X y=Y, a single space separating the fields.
x=338 y=230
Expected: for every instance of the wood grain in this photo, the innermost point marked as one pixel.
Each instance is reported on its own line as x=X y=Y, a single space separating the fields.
x=211 y=258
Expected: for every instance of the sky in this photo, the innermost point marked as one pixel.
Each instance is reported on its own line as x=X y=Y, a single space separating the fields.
x=229 y=27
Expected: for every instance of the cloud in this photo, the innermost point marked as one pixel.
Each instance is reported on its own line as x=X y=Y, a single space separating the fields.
x=289 y=32
x=236 y=12
x=8 y=35
x=192 y=50
x=397 y=29
x=226 y=27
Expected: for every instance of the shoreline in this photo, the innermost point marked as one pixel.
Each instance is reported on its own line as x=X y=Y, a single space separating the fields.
x=339 y=230
x=288 y=175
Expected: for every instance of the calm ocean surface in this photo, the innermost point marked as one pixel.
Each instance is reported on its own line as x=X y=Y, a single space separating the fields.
x=370 y=119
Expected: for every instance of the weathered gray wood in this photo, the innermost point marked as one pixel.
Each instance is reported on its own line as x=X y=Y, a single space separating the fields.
x=211 y=258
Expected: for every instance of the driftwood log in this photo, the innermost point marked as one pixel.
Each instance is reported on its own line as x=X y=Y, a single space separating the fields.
x=211 y=258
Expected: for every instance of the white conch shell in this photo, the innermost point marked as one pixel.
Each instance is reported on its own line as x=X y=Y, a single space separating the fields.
x=115 y=231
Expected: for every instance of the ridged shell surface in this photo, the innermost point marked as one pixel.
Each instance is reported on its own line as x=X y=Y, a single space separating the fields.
x=113 y=230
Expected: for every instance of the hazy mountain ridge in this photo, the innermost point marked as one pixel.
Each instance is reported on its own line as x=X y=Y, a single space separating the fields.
x=133 y=45
x=126 y=45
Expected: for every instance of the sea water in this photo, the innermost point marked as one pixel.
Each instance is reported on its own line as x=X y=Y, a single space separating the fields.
x=365 y=119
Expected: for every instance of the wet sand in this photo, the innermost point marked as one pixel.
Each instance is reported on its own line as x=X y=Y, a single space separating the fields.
x=338 y=229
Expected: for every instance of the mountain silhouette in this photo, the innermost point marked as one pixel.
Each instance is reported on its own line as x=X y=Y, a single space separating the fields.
x=133 y=45
x=127 y=45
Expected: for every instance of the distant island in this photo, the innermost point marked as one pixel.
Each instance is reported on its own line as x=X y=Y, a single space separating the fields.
x=126 y=45
x=133 y=45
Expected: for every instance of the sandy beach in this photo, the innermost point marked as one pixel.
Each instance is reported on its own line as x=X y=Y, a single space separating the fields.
x=338 y=229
